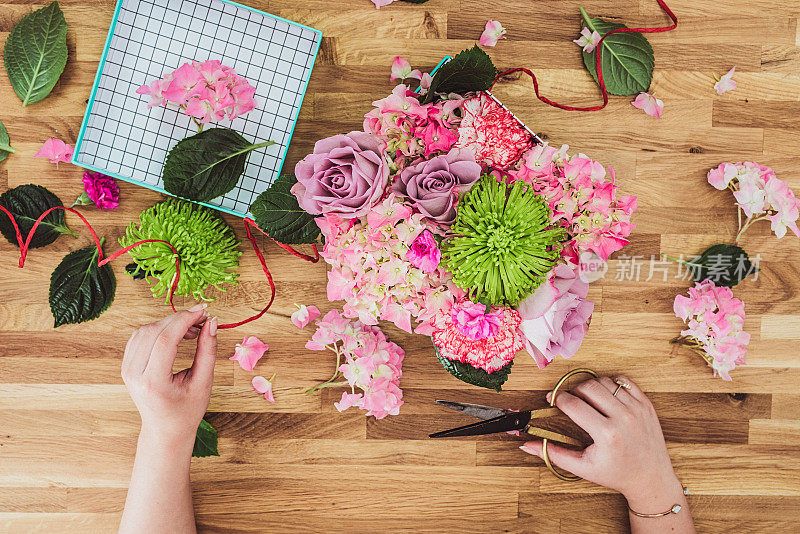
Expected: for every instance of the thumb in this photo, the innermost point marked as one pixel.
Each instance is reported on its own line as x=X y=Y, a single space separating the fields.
x=566 y=459
x=206 y=354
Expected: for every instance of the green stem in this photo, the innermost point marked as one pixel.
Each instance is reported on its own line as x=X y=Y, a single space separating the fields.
x=326 y=385
x=7 y=148
x=66 y=230
x=684 y=262
x=586 y=19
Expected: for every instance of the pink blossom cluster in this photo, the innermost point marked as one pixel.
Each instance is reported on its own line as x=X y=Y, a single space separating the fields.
x=206 y=91
x=380 y=273
x=412 y=130
x=759 y=194
x=715 y=320
x=372 y=363
x=582 y=197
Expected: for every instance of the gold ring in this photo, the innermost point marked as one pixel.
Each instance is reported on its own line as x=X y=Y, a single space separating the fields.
x=545 y=457
x=622 y=384
x=619 y=387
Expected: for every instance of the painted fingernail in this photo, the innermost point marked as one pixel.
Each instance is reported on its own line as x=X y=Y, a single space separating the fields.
x=549 y=396
x=198 y=307
x=212 y=327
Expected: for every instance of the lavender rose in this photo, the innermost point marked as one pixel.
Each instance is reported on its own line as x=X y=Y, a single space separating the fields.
x=346 y=175
x=433 y=185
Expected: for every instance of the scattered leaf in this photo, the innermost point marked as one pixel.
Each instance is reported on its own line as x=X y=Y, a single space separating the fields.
x=5 y=143
x=471 y=70
x=80 y=290
x=208 y=164
x=27 y=203
x=628 y=58
x=472 y=375
x=277 y=212
x=36 y=53
x=205 y=442
x=725 y=265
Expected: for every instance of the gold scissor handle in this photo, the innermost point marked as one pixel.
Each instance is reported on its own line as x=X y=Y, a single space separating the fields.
x=550 y=435
x=545 y=457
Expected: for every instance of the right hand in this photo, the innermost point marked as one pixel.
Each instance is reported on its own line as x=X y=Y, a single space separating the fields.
x=628 y=454
x=171 y=405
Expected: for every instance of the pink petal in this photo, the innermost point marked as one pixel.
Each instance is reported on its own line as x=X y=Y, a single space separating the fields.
x=649 y=104
x=248 y=352
x=380 y=3
x=260 y=384
x=493 y=32
x=399 y=67
x=348 y=400
x=55 y=150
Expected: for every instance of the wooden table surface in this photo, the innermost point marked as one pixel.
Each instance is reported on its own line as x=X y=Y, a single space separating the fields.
x=68 y=428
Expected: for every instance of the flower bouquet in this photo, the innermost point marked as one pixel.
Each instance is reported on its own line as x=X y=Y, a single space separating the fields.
x=449 y=218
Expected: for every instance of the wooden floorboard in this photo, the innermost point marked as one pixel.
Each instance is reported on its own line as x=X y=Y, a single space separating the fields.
x=68 y=427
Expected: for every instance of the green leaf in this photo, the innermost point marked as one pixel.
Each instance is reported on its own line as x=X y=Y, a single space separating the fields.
x=725 y=265
x=5 y=143
x=36 y=53
x=472 y=375
x=207 y=165
x=205 y=442
x=79 y=289
x=471 y=70
x=27 y=203
x=277 y=212
x=627 y=58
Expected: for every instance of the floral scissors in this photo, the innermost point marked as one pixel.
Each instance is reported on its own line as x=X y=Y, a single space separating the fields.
x=497 y=420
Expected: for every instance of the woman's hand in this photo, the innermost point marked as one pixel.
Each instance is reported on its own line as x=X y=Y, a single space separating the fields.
x=171 y=405
x=628 y=454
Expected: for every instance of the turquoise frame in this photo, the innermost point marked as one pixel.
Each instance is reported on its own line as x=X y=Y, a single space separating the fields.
x=96 y=84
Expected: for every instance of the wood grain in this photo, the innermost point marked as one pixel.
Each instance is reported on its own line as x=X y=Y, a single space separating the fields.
x=68 y=428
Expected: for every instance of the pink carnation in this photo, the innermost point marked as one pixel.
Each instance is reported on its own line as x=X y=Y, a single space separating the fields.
x=490 y=353
x=492 y=132
x=424 y=252
x=473 y=320
x=101 y=189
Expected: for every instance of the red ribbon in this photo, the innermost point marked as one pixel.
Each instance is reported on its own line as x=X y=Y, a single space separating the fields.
x=24 y=246
x=599 y=67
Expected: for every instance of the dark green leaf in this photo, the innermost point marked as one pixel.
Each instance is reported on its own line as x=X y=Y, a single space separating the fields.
x=79 y=289
x=27 y=203
x=36 y=53
x=133 y=270
x=207 y=165
x=725 y=265
x=205 y=442
x=5 y=143
x=471 y=70
x=472 y=375
x=277 y=212
x=627 y=59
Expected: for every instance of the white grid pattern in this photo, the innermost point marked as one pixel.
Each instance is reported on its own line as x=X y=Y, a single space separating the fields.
x=152 y=37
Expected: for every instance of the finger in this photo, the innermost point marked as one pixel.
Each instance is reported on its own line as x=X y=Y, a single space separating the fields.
x=584 y=415
x=635 y=391
x=165 y=346
x=598 y=396
x=202 y=370
x=566 y=459
x=617 y=392
x=193 y=332
x=137 y=351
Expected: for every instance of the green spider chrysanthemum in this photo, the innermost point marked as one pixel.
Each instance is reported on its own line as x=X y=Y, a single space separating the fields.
x=503 y=245
x=206 y=246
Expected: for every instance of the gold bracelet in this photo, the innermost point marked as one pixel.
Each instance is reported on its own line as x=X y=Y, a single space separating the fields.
x=674 y=510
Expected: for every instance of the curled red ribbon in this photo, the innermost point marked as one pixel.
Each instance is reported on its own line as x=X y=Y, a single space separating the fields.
x=599 y=67
x=102 y=260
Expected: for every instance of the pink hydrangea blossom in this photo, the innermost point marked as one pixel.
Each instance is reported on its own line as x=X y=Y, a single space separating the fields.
x=248 y=352
x=372 y=364
x=556 y=316
x=489 y=353
x=715 y=321
x=304 y=315
x=759 y=194
x=474 y=320
x=424 y=252
x=263 y=386
x=493 y=32
x=401 y=70
x=726 y=82
x=588 y=40
x=56 y=150
x=207 y=91
x=649 y=104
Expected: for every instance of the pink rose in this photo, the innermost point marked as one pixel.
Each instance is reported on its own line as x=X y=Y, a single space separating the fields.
x=473 y=321
x=346 y=175
x=424 y=252
x=556 y=316
x=101 y=189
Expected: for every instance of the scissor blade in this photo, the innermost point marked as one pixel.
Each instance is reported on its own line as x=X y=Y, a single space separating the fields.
x=504 y=423
x=475 y=410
